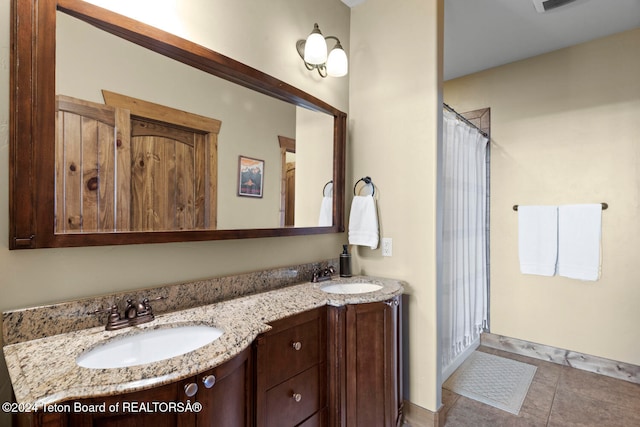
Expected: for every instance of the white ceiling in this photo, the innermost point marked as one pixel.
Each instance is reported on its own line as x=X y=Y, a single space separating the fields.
x=481 y=34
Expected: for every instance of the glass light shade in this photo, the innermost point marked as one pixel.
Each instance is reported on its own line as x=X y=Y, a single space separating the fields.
x=315 y=49
x=337 y=63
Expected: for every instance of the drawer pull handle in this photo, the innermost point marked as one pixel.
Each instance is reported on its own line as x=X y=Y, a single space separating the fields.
x=209 y=381
x=392 y=302
x=297 y=397
x=297 y=345
x=191 y=389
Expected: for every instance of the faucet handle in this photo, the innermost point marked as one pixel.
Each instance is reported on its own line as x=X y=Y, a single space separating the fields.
x=146 y=301
x=114 y=314
x=113 y=308
x=147 y=306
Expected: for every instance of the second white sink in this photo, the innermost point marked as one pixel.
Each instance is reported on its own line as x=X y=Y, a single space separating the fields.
x=151 y=345
x=350 y=288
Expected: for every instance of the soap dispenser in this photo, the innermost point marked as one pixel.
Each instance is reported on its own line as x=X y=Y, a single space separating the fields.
x=345 y=262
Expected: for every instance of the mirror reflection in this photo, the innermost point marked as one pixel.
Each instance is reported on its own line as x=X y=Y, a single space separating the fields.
x=145 y=143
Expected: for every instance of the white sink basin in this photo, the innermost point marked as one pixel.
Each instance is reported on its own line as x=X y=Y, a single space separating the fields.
x=350 y=288
x=149 y=346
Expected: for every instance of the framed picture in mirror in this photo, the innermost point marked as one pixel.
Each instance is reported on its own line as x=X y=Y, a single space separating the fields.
x=250 y=176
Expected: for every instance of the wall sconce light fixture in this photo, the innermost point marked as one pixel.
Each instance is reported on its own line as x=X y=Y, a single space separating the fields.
x=313 y=52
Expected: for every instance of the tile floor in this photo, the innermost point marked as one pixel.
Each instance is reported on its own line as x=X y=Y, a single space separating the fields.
x=559 y=396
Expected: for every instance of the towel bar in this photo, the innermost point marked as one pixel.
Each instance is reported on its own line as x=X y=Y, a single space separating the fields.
x=604 y=206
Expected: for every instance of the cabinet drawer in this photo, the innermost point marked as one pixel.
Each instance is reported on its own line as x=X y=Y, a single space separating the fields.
x=292 y=351
x=289 y=411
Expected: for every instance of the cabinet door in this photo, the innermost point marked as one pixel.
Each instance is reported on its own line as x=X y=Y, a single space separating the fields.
x=127 y=410
x=373 y=364
x=225 y=393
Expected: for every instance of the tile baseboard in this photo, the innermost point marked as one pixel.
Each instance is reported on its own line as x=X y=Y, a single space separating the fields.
x=599 y=365
x=417 y=416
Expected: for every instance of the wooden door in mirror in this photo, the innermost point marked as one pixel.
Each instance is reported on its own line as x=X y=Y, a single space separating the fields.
x=132 y=165
x=32 y=170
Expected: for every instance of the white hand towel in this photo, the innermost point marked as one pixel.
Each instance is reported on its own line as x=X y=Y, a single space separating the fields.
x=326 y=212
x=579 y=231
x=538 y=239
x=363 y=222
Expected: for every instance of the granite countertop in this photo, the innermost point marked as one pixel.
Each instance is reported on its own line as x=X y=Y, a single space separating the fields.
x=43 y=371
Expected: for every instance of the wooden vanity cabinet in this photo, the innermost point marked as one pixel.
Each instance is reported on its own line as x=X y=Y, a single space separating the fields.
x=225 y=393
x=366 y=388
x=291 y=372
x=330 y=366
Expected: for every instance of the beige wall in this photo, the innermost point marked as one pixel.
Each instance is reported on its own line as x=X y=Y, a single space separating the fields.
x=314 y=163
x=565 y=129
x=267 y=42
x=394 y=129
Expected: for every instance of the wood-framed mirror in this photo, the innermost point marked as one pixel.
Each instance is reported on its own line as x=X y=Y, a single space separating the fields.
x=33 y=207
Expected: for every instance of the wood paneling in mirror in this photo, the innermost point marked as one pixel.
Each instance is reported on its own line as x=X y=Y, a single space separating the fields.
x=133 y=165
x=32 y=124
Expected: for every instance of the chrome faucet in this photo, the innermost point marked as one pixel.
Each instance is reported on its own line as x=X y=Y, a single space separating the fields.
x=135 y=313
x=320 y=275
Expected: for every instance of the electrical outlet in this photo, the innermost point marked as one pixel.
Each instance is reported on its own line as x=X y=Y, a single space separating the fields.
x=387 y=246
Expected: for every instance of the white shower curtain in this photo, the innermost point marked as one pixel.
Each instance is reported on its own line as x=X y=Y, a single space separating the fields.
x=464 y=240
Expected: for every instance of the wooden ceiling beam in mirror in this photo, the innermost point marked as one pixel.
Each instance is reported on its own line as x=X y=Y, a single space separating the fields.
x=32 y=124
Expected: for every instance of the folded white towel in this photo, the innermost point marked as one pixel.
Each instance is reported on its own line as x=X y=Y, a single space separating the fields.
x=579 y=231
x=538 y=239
x=363 y=222
x=326 y=212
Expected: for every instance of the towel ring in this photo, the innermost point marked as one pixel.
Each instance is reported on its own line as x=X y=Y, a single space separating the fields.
x=367 y=181
x=327 y=191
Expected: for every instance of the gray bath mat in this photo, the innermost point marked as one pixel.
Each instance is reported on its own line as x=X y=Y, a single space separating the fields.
x=496 y=381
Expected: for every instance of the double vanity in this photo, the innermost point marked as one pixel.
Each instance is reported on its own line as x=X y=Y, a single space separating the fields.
x=307 y=354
